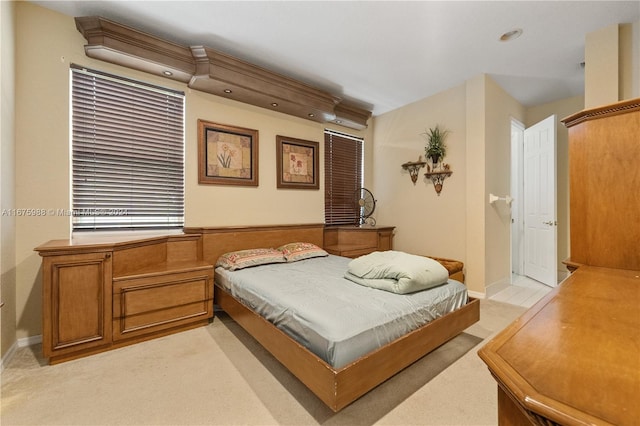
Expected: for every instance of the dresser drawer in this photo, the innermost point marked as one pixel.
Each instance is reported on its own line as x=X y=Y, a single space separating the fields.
x=154 y=303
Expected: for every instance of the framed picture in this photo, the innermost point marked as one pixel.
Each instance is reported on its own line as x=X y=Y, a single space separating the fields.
x=297 y=163
x=227 y=155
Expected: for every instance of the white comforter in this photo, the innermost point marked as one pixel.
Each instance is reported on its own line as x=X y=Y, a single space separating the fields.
x=397 y=272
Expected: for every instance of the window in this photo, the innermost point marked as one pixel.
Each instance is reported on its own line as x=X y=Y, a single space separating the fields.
x=127 y=154
x=343 y=165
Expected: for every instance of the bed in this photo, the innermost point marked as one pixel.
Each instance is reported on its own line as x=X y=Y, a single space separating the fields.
x=352 y=374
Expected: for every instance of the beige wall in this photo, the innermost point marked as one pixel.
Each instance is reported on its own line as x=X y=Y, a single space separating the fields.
x=7 y=181
x=629 y=65
x=612 y=70
x=425 y=222
x=228 y=205
x=500 y=109
x=46 y=44
x=475 y=106
x=459 y=223
x=601 y=66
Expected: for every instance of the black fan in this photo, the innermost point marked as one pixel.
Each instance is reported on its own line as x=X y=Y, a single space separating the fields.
x=365 y=203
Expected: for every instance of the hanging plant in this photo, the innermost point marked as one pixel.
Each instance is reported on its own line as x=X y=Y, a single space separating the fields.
x=436 y=148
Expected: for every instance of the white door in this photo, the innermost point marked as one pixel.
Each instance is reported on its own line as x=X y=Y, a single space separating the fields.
x=540 y=226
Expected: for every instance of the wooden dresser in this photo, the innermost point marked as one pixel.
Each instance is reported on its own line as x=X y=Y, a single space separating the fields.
x=574 y=357
x=354 y=241
x=104 y=294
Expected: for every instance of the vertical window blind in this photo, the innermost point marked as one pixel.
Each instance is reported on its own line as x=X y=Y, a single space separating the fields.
x=127 y=153
x=343 y=164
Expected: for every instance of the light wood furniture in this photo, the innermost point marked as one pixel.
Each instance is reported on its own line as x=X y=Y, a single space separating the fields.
x=337 y=388
x=104 y=294
x=354 y=241
x=219 y=240
x=454 y=267
x=573 y=358
x=604 y=152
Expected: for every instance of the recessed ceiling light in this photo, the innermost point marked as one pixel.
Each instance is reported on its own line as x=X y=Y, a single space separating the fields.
x=274 y=104
x=228 y=90
x=338 y=121
x=311 y=114
x=167 y=73
x=511 y=35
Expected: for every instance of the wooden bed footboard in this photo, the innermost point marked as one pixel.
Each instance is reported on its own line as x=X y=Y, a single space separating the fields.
x=337 y=388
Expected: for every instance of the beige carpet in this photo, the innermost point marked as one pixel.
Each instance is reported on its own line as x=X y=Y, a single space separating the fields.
x=218 y=375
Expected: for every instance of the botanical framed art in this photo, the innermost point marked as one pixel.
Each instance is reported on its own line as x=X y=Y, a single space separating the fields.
x=297 y=163
x=227 y=155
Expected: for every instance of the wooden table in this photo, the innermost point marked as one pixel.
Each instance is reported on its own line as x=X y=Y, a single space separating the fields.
x=574 y=357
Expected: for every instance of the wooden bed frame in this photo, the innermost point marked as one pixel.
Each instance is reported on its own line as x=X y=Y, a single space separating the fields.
x=337 y=388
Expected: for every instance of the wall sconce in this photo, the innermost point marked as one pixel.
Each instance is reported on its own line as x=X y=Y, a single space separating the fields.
x=438 y=175
x=413 y=167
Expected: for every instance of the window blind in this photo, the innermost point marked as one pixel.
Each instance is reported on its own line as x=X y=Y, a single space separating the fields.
x=343 y=163
x=127 y=154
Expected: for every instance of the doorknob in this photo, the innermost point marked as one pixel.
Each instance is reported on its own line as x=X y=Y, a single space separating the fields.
x=550 y=223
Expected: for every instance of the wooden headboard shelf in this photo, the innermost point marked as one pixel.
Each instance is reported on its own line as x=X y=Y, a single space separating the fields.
x=219 y=240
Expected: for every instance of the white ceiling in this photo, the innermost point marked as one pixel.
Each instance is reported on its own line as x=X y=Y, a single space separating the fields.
x=386 y=54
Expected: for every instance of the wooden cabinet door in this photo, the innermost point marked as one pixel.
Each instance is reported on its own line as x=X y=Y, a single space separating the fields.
x=146 y=305
x=76 y=302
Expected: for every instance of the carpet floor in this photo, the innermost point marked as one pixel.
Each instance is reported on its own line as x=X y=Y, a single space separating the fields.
x=219 y=375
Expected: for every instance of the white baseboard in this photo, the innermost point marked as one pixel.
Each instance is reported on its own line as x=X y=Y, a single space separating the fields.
x=496 y=287
x=20 y=343
x=29 y=341
x=563 y=275
x=8 y=356
x=476 y=295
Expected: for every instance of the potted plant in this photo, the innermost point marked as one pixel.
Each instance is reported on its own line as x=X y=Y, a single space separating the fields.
x=436 y=148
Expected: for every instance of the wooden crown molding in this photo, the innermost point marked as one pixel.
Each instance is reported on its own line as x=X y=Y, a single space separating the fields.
x=121 y=45
x=602 y=111
x=351 y=116
x=214 y=72
x=224 y=75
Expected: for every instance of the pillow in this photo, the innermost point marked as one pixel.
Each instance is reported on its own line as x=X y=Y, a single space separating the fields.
x=251 y=257
x=299 y=251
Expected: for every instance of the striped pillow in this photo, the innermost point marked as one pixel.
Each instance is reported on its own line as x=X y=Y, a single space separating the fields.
x=298 y=251
x=252 y=257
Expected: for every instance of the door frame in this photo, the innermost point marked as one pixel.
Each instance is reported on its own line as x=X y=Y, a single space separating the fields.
x=517 y=192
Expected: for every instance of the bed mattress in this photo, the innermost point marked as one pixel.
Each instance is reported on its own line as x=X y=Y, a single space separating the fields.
x=336 y=319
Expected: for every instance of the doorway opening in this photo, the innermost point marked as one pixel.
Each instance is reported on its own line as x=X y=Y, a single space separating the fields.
x=533 y=212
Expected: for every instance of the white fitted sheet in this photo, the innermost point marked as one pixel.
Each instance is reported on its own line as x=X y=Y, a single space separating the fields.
x=336 y=319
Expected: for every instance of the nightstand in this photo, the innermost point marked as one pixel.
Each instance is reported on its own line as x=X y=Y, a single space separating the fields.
x=354 y=241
